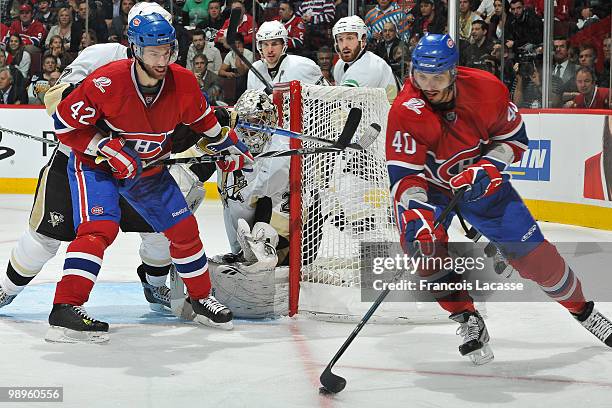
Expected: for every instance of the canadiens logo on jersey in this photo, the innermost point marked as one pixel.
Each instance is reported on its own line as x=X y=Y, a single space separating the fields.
x=415 y=104
x=101 y=83
x=448 y=168
x=147 y=145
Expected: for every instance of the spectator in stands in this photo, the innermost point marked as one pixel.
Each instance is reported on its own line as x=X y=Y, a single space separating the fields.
x=233 y=67
x=4 y=30
x=206 y=78
x=318 y=17
x=563 y=67
x=325 y=61
x=294 y=25
x=200 y=45
x=63 y=28
x=590 y=96
x=587 y=56
x=58 y=51
x=196 y=11
x=118 y=28
x=214 y=19
x=88 y=38
x=486 y=10
x=388 y=42
x=586 y=17
x=245 y=28
x=507 y=69
x=480 y=46
x=498 y=20
x=604 y=79
x=527 y=89
x=45 y=14
x=96 y=24
x=18 y=56
x=40 y=84
x=400 y=61
x=432 y=19
x=18 y=80
x=9 y=94
x=466 y=17
x=522 y=27
x=32 y=32
x=215 y=96
x=386 y=11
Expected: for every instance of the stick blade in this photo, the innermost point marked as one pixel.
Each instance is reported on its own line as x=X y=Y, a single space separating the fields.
x=350 y=128
x=232 y=29
x=369 y=136
x=332 y=383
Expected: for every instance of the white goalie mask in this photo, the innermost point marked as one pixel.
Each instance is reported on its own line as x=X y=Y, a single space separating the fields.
x=350 y=24
x=255 y=107
x=146 y=8
x=271 y=30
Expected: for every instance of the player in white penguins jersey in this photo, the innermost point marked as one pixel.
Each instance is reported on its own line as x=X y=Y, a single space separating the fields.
x=51 y=217
x=276 y=66
x=356 y=66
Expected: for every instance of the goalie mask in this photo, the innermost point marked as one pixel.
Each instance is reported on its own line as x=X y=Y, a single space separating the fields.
x=255 y=107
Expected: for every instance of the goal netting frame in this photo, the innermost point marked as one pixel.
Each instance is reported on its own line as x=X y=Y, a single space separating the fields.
x=337 y=201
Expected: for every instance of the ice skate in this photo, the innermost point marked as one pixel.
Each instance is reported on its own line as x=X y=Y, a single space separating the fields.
x=72 y=324
x=157 y=296
x=475 y=337
x=5 y=298
x=210 y=312
x=596 y=323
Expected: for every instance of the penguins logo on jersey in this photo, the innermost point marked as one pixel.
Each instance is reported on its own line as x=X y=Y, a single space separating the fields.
x=232 y=191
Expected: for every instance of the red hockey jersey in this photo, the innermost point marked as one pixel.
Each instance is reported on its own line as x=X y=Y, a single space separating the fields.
x=34 y=34
x=111 y=94
x=426 y=146
x=595 y=184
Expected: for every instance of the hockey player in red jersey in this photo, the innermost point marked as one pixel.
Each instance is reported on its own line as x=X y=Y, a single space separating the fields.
x=141 y=100
x=452 y=128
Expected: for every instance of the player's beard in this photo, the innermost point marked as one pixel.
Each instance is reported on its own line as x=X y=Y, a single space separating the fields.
x=155 y=72
x=607 y=152
x=350 y=57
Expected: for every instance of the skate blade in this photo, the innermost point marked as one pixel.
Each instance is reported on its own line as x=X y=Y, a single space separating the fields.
x=57 y=334
x=207 y=322
x=157 y=307
x=481 y=356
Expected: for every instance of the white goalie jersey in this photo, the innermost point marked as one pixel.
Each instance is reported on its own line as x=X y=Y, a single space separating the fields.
x=360 y=74
x=292 y=68
x=240 y=191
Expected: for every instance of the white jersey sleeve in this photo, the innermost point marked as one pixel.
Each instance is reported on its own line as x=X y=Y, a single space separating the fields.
x=360 y=74
x=90 y=59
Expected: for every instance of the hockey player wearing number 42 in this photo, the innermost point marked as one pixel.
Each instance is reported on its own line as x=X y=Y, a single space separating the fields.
x=445 y=134
x=141 y=100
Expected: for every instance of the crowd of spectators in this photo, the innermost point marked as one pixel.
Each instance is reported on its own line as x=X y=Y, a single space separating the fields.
x=504 y=37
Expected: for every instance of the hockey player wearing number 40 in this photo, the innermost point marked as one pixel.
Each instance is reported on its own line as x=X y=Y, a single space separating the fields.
x=444 y=134
x=141 y=100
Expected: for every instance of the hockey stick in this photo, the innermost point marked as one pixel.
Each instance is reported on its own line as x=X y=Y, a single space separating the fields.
x=28 y=136
x=333 y=383
x=230 y=37
x=364 y=141
x=350 y=127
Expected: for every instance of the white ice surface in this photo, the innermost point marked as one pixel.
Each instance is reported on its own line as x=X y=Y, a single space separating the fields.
x=543 y=358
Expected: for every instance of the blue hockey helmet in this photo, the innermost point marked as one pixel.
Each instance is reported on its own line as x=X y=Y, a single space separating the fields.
x=151 y=30
x=435 y=53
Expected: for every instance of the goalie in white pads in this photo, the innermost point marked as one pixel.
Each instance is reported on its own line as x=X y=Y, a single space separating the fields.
x=258 y=197
x=358 y=67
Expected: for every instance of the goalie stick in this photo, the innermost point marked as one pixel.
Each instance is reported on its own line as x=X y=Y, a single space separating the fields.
x=333 y=383
x=230 y=36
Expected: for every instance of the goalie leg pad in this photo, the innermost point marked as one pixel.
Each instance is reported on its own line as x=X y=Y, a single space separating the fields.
x=258 y=246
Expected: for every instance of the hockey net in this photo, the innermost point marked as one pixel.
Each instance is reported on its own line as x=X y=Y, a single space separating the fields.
x=338 y=201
